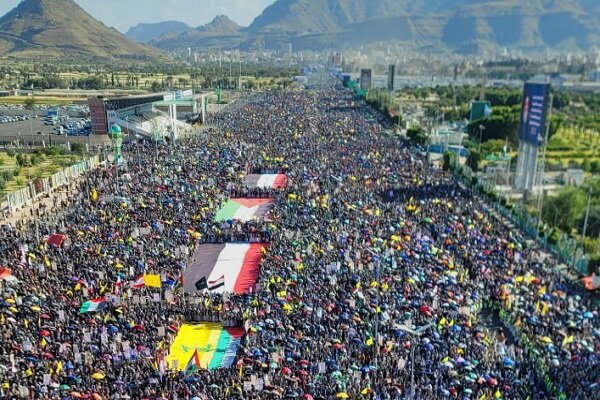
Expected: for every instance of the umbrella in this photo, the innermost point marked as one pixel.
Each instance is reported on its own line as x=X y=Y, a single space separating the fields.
x=98 y=376
x=342 y=395
x=286 y=371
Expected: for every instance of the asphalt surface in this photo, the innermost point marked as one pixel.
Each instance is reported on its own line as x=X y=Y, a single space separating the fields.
x=35 y=133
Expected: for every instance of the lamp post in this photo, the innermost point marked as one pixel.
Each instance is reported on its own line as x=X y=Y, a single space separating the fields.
x=481 y=129
x=413 y=334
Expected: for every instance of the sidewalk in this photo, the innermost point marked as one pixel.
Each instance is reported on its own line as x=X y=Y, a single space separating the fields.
x=42 y=205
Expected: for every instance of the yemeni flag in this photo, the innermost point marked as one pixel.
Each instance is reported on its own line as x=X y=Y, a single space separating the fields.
x=231 y=267
x=217 y=283
x=93 y=305
x=193 y=365
x=244 y=210
x=266 y=181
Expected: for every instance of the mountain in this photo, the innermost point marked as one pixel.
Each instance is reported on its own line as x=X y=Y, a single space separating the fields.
x=145 y=33
x=465 y=26
x=220 y=32
x=458 y=26
x=61 y=29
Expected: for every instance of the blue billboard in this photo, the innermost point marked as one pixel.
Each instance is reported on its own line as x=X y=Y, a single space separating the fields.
x=534 y=112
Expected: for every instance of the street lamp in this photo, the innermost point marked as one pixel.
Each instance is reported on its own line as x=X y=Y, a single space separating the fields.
x=412 y=334
x=481 y=129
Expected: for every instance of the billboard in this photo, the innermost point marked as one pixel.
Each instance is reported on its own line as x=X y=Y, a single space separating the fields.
x=391 y=77
x=534 y=112
x=365 y=79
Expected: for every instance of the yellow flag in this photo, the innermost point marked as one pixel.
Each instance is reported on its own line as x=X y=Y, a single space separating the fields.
x=152 y=281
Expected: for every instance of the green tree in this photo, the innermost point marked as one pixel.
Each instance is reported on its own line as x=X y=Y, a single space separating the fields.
x=78 y=148
x=29 y=103
x=564 y=209
x=449 y=161
x=473 y=159
x=417 y=135
x=21 y=160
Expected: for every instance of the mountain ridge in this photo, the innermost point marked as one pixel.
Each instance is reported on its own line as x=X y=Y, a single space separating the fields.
x=61 y=28
x=146 y=32
x=464 y=26
x=220 y=32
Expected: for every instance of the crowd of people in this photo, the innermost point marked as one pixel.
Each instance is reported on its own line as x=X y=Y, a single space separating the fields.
x=384 y=277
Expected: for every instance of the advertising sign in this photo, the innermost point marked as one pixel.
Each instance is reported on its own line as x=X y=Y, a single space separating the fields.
x=534 y=112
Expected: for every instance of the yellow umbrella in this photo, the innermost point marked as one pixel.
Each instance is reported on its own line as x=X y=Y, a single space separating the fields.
x=342 y=395
x=98 y=376
x=10 y=301
x=546 y=339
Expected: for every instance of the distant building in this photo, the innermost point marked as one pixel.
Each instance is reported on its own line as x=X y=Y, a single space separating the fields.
x=391 y=77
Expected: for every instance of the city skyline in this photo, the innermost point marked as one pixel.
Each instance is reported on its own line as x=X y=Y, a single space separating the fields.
x=124 y=15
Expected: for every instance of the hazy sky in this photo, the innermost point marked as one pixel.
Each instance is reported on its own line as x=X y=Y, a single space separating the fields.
x=122 y=14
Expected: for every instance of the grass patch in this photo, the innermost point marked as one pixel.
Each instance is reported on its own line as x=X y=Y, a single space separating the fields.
x=46 y=166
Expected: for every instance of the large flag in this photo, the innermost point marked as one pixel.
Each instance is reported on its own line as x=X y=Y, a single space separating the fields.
x=235 y=264
x=216 y=345
x=93 y=305
x=152 y=281
x=193 y=365
x=266 y=181
x=244 y=209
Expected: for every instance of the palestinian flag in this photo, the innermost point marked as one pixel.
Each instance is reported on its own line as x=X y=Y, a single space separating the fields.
x=231 y=267
x=215 y=346
x=266 y=181
x=93 y=305
x=193 y=365
x=244 y=209
x=179 y=283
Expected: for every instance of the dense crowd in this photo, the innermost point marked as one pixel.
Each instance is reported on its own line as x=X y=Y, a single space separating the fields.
x=375 y=260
